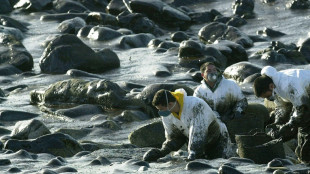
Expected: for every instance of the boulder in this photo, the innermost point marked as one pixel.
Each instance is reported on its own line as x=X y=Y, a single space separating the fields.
x=84 y=31
x=167 y=45
x=10 y=31
x=10 y=115
x=95 y=5
x=29 y=129
x=56 y=144
x=240 y=71
x=5 y=7
x=243 y=7
x=133 y=115
x=74 y=133
x=80 y=111
x=135 y=40
x=68 y=52
x=201 y=17
x=10 y=22
x=305 y=49
x=138 y=23
x=7 y=70
x=103 y=34
x=97 y=18
x=270 y=32
x=179 y=36
x=4 y=131
x=80 y=92
x=298 y=4
x=150 y=135
x=62 y=16
x=160 y=12
x=115 y=7
x=33 y=5
x=71 y=26
x=63 y=6
x=78 y=73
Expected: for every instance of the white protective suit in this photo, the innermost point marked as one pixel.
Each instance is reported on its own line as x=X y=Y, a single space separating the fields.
x=226 y=99
x=199 y=124
x=293 y=86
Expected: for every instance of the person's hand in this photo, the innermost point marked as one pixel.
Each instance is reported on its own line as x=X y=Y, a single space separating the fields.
x=152 y=155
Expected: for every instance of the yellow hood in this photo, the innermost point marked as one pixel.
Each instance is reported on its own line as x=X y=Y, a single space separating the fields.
x=180 y=99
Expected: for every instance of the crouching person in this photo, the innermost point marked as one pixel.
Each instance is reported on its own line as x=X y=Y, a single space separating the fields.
x=190 y=120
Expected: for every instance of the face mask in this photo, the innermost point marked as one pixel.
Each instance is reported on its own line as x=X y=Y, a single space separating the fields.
x=212 y=77
x=166 y=112
x=272 y=97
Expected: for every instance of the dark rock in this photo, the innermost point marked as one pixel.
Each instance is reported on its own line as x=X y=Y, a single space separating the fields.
x=71 y=26
x=129 y=86
x=62 y=16
x=84 y=31
x=14 y=170
x=61 y=159
x=10 y=89
x=243 y=7
x=273 y=57
x=159 y=12
x=55 y=144
x=66 y=169
x=103 y=160
x=235 y=35
x=15 y=33
x=115 y=7
x=125 y=31
x=135 y=40
x=259 y=38
x=154 y=43
x=298 y=4
x=150 y=135
x=9 y=115
x=31 y=129
x=14 y=53
x=275 y=163
x=201 y=17
x=21 y=154
x=48 y=171
x=133 y=115
x=71 y=53
x=74 y=133
x=81 y=110
x=167 y=45
x=5 y=7
x=270 y=32
x=236 y=21
x=90 y=146
x=96 y=18
x=4 y=162
x=9 y=22
x=54 y=163
x=138 y=23
x=95 y=5
x=4 y=131
x=197 y=165
x=108 y=124
x=161 y=71
x=240 y=71
x=305 y=49
x=34 y=5
x=95 y=162
x=75 y=73
x=63 y=6
x=83 y=153
x=251 y=78
x=103 y=34
x=6 y=70
x=179 y=36
x=137 y=163
x=224 y=169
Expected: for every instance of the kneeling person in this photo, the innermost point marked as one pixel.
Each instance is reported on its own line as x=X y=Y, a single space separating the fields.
x=190 y=120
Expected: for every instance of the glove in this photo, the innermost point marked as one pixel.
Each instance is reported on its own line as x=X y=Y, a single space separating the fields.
x=152 y=155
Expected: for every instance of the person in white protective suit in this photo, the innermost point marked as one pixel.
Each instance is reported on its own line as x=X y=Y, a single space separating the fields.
x=190 y=120
x=290 y=91
x=222 y=95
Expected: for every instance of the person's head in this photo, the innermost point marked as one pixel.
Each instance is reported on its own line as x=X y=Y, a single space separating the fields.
x=164 y=101
x=209 y=72
x=264 y=87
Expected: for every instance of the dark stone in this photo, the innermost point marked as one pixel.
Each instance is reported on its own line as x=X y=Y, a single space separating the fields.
x=34 y=5
x=133 y=115
x=259 y=38
x=137 y=163
x=78 y=73
x=270 y=32
x=160 y=12
x=224 y=169
x=10 y=89
x=103 y=160
x=154 y=43
x=150 y=135
x=4 y=131
x=243 y=7
x=298 y=4
x=54 y=163
x=14 y=170
x=240 y=71
x=305 y=49
x=95 y=5
x=272 y=57
x=103 y=34
x=56 y=144
x=211 y=32
x=135 y=40
x=167 y=45
x=97 y=18
x=275 y=163
x=251 y=78
x=81 y=110
x=138 y=23
x=21 y=154
x=115 y=7
x=29 y=129
x=9 y=22
x=62 y=16
x=201 y=17
x=63 y=6
x=6 y=70
x=197 y=165
x=71 y=26
x=236 y=21
x=71 y=53
x=4 y=162
x=83 y=153
x=47 y=171
x=84 y=31
x=9 y=115
x=66 y=169
x=95 y=162
x=5 y=7
x=179 y=36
